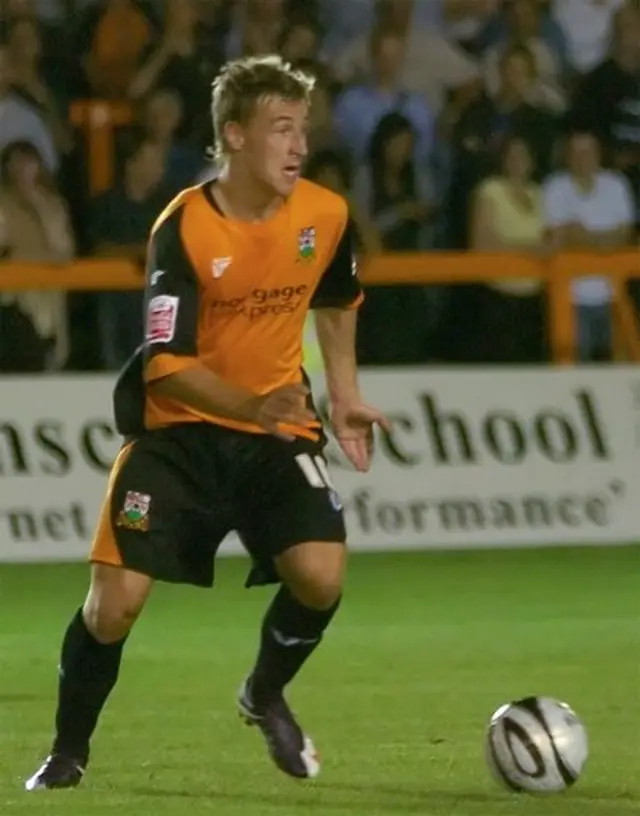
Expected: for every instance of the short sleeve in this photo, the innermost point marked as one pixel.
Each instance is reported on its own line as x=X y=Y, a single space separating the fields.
x=555 y=214
x=339 y=287
x=623 y=197
x=171 y=303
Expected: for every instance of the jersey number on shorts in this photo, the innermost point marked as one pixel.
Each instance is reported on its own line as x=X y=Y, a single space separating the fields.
x=315 y=470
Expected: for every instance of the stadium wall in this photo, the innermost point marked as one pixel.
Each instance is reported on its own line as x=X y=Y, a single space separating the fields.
x=475 y=458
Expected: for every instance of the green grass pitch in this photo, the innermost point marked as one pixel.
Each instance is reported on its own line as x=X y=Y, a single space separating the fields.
x=426 y=646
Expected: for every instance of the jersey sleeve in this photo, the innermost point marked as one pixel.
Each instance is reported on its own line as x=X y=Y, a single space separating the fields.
x=171 y=303
x=339 y=287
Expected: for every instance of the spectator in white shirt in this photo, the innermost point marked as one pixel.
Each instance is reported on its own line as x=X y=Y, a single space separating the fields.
x=589 y=208
x=587 y=26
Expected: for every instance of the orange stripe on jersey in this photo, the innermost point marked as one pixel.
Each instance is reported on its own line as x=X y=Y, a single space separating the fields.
x=233 y=296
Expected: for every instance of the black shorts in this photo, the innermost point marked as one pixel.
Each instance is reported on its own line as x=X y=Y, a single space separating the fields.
x=175 y=493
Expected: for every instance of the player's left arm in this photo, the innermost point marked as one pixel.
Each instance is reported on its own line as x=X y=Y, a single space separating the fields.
x=336 y=302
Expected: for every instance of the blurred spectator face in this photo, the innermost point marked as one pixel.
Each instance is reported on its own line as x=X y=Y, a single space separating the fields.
x=163 y=114
x=387 y=57
x=6 y=72
x=518 y=163
x=524 y=19
x=118 y=5
x=145 y=169
x=583 y=155
x=257 y=39
x=329 y=176
x=20 y=8
x=209 y=11
x=182 y=15
x=24 y=40
x=24 y=168
x=300 y=43
x=399 y=149
x=320 y=111
x=395 y=14
x=266 y=10
x=518 y=75
x=627 y=34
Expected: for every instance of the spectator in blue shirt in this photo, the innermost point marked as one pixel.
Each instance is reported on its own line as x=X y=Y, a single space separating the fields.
x=360 y=108
x=347 y=20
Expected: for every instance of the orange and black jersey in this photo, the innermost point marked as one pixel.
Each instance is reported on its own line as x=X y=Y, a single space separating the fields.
x=233 y=296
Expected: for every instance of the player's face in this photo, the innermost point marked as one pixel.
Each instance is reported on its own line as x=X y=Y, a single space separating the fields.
x=275 y=143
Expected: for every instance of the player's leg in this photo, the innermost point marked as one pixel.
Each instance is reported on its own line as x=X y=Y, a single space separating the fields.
x=150 y=528
x=294 y=529
x=312 y=575
x=89 y=665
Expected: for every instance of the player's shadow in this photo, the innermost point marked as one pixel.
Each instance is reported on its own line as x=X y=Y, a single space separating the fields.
x=19 y=698
x=583 y=794
x=369 y=797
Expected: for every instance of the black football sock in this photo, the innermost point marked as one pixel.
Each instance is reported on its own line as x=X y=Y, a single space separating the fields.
x=88 y=672
x=290 y=634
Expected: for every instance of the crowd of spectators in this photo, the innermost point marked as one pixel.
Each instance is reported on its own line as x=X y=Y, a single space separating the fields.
x=448 y=125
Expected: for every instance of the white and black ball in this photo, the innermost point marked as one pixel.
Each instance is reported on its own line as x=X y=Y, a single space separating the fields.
x=536 y=745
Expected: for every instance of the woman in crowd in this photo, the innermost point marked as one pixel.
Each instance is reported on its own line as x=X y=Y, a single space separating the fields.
x=394 y=189
x=34 y=227
x=507 y=215
x=396 y=193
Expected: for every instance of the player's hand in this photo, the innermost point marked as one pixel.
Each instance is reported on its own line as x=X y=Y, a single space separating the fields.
x=353 y=428
x=285 y=405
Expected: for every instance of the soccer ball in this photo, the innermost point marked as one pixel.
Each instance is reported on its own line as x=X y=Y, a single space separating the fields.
x=536 y=745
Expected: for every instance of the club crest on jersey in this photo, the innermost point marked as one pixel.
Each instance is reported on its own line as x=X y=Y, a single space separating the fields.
x=307 y=244
x=135 y=513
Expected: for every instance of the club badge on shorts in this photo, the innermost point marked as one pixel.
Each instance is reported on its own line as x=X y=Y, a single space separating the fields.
x=135 y=513
x=307 y=244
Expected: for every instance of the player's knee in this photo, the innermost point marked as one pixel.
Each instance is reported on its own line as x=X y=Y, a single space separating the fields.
x=109 y=621
x=319 y=585
x=115 y=600
x=319 y=592
x=314 y=573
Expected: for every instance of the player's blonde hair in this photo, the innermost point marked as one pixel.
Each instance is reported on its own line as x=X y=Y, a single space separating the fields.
x=243 y=82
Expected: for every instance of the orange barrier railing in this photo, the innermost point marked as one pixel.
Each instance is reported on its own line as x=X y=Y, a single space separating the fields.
x=557 y=273
x=99 y=121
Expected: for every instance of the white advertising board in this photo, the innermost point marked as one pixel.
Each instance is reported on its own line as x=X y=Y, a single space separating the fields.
x=475 y=458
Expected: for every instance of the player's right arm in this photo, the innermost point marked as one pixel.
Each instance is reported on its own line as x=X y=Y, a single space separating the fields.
x=173 y=369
